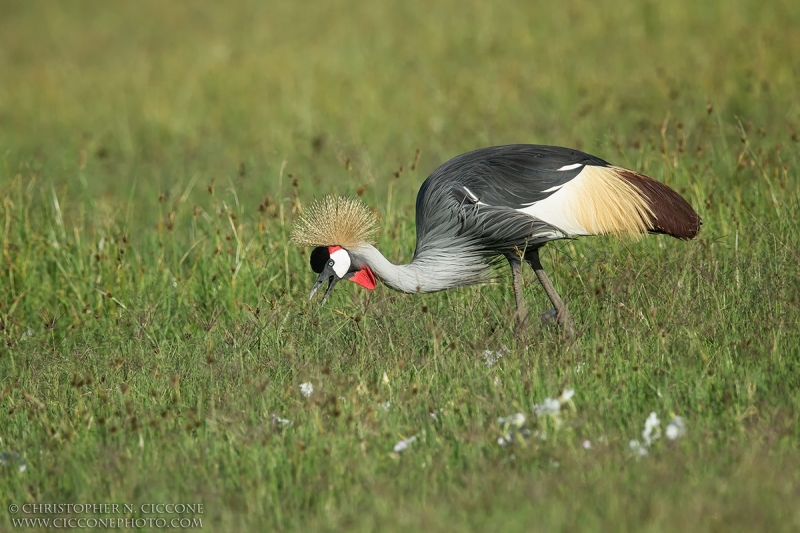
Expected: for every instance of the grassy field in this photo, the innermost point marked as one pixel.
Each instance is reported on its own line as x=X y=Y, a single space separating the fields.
x=154 y=317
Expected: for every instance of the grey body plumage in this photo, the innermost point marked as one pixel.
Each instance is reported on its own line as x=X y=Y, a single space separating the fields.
x=503 y=202
x=468 y=208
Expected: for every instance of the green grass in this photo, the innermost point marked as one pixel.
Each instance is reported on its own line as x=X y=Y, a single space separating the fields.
x=155 y=319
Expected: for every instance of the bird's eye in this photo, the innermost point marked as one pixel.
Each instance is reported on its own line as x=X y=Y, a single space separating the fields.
x=330 y=263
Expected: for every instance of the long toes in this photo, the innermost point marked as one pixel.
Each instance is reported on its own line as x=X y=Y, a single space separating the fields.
x=549 y=317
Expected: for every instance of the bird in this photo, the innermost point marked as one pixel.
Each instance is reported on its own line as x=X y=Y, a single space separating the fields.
x=487 y=205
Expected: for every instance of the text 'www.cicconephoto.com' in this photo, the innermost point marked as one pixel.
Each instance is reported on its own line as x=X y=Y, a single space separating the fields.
x=107 y=515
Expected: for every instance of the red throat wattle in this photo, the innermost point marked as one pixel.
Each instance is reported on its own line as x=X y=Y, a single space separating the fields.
x=365 y=278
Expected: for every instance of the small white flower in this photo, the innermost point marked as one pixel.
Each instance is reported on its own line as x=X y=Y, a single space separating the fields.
x=651 y=422
x=386 y=405
x=541 y=435
x=491 y=357
x=637 y=448
x=652 y=429
x=435 y=414
x=587 y=444
x=549 y=406
x=579 y=368
x=403 y=444
x=9 y=458
x=672 y=432
x=517 y=420
x=676 y=428
x=278 y=421
x=307 y=389
x=566 y=396
x=512 y=425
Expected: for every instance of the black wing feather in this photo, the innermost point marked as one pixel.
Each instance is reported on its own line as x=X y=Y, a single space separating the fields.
x=512 y=176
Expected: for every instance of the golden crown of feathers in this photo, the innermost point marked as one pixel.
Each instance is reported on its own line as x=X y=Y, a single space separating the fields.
x=334 y=220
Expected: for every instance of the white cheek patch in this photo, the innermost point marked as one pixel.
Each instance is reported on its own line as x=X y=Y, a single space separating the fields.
x=341 y=262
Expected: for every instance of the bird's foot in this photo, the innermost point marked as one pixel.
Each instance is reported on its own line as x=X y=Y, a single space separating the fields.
x=564 y=320
x=549 y=317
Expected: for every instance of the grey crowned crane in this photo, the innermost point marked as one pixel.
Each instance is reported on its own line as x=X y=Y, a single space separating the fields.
x=503 y=201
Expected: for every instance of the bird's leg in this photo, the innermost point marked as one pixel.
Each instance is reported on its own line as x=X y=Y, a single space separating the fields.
x=563 y=316
x=521 y=314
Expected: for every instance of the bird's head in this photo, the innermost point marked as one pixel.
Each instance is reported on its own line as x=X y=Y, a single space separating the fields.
x=346 y=222
x=334 y=263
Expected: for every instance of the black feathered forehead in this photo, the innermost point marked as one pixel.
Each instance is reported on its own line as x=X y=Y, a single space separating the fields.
x=319 y=256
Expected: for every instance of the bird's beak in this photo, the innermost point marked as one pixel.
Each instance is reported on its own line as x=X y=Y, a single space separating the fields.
x=328 y=275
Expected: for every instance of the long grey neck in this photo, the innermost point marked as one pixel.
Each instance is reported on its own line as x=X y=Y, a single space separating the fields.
x=429 y=273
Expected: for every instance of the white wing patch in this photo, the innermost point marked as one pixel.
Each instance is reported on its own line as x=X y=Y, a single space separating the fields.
x=556 y=209
x=341 y=262
x=570 y=167
x=597 y=201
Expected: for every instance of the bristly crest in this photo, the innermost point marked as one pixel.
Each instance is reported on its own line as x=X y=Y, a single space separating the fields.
x=334 y=220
